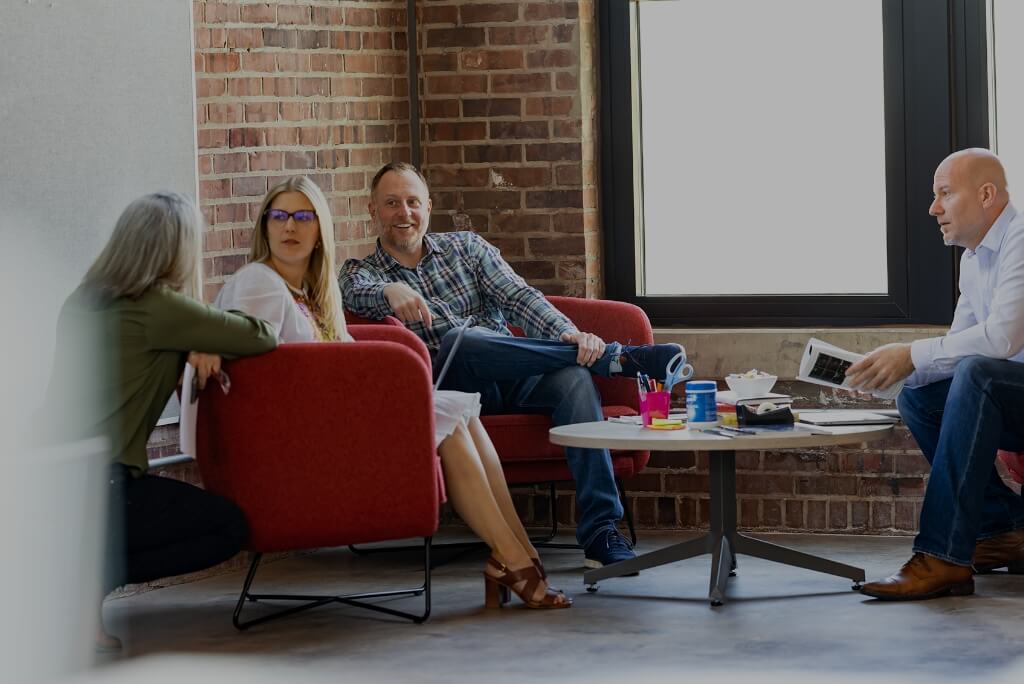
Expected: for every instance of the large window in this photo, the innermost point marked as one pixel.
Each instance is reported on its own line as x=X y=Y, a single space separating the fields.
x=768 y=162
x=1006 y=94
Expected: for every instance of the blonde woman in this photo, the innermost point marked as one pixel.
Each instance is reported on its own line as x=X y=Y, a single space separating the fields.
x=291 y=283
x=123 y=338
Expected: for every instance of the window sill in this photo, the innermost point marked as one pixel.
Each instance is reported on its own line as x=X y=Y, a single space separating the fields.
x=717 y=352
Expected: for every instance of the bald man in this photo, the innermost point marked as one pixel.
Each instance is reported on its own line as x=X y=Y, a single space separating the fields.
x=964 y=392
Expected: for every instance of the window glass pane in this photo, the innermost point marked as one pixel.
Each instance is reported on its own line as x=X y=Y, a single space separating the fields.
x=763 y=147
x=1006 y=94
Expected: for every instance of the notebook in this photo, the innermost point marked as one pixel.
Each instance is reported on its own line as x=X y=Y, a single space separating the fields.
x=451 y=352
x=845 y=417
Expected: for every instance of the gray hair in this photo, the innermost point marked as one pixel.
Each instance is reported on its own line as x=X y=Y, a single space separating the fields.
x=157 y=241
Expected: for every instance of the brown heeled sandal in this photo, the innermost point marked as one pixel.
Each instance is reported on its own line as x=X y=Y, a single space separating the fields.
x=498 y=589
x=544 y=574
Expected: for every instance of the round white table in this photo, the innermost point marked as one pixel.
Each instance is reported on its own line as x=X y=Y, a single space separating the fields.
x=723 y=542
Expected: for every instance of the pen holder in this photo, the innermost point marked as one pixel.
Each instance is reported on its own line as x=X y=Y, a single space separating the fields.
x=654 y=405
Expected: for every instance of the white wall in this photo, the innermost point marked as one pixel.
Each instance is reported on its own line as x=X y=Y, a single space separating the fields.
x=97 y=107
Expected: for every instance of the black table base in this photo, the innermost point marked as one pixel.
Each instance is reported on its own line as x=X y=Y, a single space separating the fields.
x=723 y=542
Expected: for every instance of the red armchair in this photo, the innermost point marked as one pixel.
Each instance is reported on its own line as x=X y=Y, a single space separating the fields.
x=301 y=445
x=1014 y=462
x=527 y=456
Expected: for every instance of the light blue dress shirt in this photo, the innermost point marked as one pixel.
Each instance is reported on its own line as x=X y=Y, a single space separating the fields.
x=989 y=316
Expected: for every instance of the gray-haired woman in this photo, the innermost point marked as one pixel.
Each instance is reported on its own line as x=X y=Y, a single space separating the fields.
x=123 y=339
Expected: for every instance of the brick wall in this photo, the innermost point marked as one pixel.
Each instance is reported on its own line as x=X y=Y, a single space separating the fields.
x=508 y=111
x=285 y=88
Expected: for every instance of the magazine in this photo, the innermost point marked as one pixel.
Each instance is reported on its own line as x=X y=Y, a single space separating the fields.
x=826 y=364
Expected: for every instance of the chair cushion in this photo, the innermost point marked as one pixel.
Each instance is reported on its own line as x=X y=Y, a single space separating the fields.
x=1014 y=462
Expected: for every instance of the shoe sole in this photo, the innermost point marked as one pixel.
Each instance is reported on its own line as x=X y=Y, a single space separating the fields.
x=1014 y=568
x=594 y=565
x=965 y=589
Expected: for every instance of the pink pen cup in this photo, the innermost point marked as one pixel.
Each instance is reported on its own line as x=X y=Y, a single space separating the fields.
x=654 y=405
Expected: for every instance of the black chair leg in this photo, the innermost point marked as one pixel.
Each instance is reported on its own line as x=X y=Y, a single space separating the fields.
x=357 y=600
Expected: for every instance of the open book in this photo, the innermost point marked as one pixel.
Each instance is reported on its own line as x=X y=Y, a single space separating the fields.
x=826 y=364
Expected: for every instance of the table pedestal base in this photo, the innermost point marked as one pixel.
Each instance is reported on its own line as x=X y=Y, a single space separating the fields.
x=723 y=542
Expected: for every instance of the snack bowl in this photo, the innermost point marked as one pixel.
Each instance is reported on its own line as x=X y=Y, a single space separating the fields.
x=747 y=386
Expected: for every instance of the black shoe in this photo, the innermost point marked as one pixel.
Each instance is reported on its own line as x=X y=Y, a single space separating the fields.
x=649 y=359
x=608 y=547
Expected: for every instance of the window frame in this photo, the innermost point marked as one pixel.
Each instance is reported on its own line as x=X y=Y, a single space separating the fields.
x=936 y=101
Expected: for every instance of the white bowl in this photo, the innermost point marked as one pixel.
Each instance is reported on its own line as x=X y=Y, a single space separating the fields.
x=748 y=388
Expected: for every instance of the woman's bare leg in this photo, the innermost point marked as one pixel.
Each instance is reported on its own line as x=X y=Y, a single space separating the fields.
x=499 y=487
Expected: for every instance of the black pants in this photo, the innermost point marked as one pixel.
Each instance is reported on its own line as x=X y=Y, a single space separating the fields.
x=161 y=527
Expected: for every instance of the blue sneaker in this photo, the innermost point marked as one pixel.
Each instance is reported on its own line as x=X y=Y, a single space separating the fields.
x=649 y=359
x=608 y=547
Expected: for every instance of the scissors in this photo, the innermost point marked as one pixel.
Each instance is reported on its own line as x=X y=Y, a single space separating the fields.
x=676 y=370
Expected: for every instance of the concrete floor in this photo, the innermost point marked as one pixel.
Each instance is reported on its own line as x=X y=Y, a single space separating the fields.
x=778 y=619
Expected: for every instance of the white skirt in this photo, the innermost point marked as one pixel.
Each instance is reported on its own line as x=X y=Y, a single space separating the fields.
x=452 y=408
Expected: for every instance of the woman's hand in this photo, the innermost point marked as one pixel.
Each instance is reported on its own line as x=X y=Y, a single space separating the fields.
x=205 y=365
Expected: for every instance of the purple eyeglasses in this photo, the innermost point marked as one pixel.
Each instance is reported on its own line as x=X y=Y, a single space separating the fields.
x=280 y=215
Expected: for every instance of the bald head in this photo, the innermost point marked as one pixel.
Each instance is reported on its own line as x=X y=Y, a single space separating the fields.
x=970 y=193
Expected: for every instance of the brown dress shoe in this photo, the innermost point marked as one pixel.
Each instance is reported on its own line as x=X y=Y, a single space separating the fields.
x=1004 y=551
x=923 y=577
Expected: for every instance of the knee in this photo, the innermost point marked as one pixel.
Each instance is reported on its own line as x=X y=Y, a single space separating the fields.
x=977 y=368
x=576 y=389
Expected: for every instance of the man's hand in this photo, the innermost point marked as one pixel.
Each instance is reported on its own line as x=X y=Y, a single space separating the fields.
x=881 y=368
x=591 y=347
x=408 y=304
x=205 y=365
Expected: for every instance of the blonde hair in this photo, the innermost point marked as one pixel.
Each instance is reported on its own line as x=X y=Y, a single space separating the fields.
x=157 y=241
x=320 y=275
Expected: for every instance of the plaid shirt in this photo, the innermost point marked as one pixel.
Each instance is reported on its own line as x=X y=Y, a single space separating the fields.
x=460 y=275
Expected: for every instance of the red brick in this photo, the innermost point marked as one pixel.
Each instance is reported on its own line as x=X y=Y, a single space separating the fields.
x=771 y=513
x=249 y=186
x=391 y=17
x=565 y=80
x=524 y=177
x=263 y=62
x=445 y=61
x=671 y=512
x=440 y=85
x=361 y=64
x=345 y=87
x=310 y=87
x=906 y=518
x=491 y=107
x=305 y=159
x=443 y=14
x=560 y=246
x=312 y=40
x=536 y=199
x=859 y=514
x=683 y=482
x=517 y=35
x=280 y=87
x=244 y=39
x=441 y=177
x=567 y=128
x=329 y=63
x=568 y=174
x=218 y=12
x=539 y=11
x=550 y=59
x=554 y=152
x=463 y=36
x=512 y=130
x=881 y=515
x=384 y=40
x=492 y=199
x=293 y=14
x=379 y=133
x=283 y=136
x=563 y=33
x=296 y=111
x=749 y=515
x=346 y=40
x=227 y=264
x=837 y=517
x=214 y=189
x=359 y=16
x=441 y=109
x=245 y=87
x=237 y=162
x=210 y=87
x=481 y=12
x=521 y=83
x=212 y=138
x=216 y=240
x=375 y=87
x=644 y=511
x=279 y=38
x=549 y=106
x=263 y=13
x=231 y=213
x=574 y=223
x=794 y=513
x=393 y=64
x=292 y=61
x=221 y=112
x=816 y=514
x=912 y=464
x=258 y=112
x=484 y=60
x=221 y=62
x=764 y=484
x=328 y=16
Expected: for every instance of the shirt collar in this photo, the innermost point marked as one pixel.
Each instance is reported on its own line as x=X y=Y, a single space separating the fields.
x=993 y=239
x=431 y=246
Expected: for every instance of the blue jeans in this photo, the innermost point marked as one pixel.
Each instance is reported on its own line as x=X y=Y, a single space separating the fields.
x=959 y=424
x=526 y=375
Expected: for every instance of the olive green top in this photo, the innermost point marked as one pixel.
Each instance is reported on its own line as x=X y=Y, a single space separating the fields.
x=118 y=361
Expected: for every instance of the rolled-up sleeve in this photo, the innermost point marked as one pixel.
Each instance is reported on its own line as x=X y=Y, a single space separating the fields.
x=362 y=289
